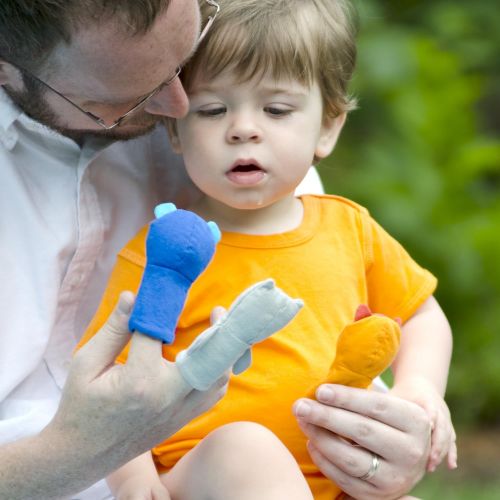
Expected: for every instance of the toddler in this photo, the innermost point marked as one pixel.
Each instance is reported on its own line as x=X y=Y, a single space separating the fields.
x=268 y=97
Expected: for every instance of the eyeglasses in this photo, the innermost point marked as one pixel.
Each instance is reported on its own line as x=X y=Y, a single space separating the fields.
x=144 y=100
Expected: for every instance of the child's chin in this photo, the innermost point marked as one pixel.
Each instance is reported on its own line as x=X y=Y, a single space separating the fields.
x=248 y=205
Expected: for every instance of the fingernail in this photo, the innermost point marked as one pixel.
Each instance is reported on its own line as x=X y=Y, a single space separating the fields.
x=302 y=409
x=125 y=303
x=325 y=394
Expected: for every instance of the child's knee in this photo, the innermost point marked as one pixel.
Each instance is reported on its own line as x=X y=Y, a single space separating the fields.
x=244 y=437
x=241 y=444
x=244 y=460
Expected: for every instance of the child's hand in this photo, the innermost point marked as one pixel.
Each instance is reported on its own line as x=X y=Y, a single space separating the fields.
x=443 y=438
x=140 y=487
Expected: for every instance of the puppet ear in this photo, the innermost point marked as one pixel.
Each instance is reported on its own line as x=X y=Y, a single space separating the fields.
x=164 y=209
x=214 y=228
x=330 y=132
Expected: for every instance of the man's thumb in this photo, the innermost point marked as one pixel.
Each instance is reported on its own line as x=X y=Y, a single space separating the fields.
x=103 y=348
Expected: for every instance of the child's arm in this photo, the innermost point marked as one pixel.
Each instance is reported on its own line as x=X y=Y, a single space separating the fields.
x=138 y=479
x=420 y=375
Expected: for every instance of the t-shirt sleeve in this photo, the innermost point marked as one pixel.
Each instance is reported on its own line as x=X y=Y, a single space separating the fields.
x=126 y=275
x=397 y=286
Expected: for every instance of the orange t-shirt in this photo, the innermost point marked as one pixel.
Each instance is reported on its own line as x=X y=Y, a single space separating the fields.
x=338 y=258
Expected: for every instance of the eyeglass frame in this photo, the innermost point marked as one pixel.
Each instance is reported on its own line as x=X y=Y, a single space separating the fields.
x=98 y=120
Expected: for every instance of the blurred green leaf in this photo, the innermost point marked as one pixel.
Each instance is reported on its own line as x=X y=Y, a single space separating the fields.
x=422 y=152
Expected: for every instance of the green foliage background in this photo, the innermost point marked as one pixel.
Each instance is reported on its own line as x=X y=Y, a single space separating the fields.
x=422 y=152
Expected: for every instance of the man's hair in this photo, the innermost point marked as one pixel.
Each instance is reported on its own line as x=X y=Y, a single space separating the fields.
x=31 y=29
x=304 y=40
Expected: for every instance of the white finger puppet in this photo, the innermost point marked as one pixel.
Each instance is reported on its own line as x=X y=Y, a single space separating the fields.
x=257 y=313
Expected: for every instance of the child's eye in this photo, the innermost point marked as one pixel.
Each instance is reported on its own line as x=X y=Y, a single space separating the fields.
x=277 y=111
x=211 y=112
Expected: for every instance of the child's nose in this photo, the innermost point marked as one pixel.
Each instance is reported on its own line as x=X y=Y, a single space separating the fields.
x=244 y=130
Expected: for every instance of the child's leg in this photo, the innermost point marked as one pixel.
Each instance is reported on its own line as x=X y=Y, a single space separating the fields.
x=237 y=462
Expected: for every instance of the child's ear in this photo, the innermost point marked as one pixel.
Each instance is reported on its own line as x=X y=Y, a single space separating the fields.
x=330 y=132
x=171 y=125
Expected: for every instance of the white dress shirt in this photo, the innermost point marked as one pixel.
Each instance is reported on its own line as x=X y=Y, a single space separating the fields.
x=65 y=212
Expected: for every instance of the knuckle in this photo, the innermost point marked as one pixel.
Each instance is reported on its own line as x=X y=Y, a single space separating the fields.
x=142 y=394
x=422 y=419
x=344 y=482
x=364 y=429
x=380 y=408
x=350 y=462
x=136 y=392
x=415 y=454
x=320 y=417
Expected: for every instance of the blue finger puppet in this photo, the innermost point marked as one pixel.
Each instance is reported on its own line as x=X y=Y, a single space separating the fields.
x=179 y=246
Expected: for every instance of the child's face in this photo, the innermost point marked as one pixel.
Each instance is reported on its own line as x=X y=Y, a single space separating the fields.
x=250 y=144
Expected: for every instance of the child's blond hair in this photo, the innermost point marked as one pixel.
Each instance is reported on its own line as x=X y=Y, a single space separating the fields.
x=304 y=40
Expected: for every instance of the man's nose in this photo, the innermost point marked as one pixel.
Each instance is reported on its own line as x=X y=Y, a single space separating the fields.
x=170 y=101
x=243 y=129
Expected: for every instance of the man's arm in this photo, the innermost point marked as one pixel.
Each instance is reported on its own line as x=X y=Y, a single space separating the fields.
x=108 y=415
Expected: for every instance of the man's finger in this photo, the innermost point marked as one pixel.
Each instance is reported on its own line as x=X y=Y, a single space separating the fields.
x=144 y=352
x=385 y=408
x=102 y=349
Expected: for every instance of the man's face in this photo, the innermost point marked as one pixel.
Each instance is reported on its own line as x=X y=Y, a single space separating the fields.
x=107 y=72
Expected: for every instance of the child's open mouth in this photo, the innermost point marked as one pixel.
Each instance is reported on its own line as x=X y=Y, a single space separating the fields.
x=246 y=173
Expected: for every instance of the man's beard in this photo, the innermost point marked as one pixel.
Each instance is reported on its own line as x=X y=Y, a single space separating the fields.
x=31 y=101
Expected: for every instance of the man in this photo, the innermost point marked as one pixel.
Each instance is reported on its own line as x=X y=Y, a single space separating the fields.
x=79 y=77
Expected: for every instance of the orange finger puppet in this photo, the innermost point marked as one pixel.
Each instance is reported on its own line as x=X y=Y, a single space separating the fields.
x=365 y=349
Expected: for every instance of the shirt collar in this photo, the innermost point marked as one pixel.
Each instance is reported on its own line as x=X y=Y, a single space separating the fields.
x=10 y=114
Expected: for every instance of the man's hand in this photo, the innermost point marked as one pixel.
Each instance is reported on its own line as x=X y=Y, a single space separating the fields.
x=111 y=413
x=353 y=432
